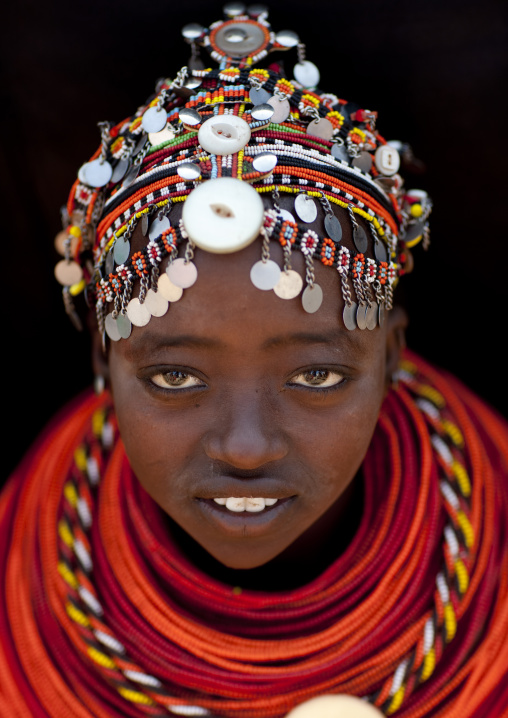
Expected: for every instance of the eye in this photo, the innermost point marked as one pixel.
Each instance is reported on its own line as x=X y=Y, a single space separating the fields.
x=175 y=379
x=319 y=378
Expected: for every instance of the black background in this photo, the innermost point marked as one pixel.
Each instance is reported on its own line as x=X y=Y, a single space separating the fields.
x=436 y=73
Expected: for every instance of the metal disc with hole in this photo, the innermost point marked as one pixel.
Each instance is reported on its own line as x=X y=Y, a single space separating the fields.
x=157 y=227
x=265 y=275
x=281 y=107
x=262 y=112
x=361 y=315
x=289 y=285
x=181 y=273
x=371 y=316
x=322 y=128
x=305 y=208
x=98 y=173
x=360 y=239
x=190 y=117
x=111 y=328
x=340 y=152
x=138 y=313
x=306 y=73
x=156 y=303
x=154 y=119
x=120 y=170
x=287 y=38
x=124 y=325
x=239 y=39
x=363 y=162
x=312 y=298
x=121 y=250
x=259 y=96
x=349 y=316
x=189 y=171
x=380 y=251
x=68 y=273
x=333 y=227
x=264 y=162
x=168 y=290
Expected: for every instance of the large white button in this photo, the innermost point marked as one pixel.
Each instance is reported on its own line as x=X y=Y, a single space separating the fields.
x=223 y=215
x=387 y=160
x=224 y=134
x=339 y=706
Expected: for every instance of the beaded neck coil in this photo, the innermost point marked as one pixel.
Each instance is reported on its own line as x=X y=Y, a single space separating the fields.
x=229 y=141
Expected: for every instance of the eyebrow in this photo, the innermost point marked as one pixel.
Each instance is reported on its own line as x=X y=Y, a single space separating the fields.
x=155 y=342
x=335 y=337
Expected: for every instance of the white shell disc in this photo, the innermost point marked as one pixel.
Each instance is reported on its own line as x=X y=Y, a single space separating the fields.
x=289 y=285
x=124 y=325
x=281 y=107
x=223 y=134
x=387 y=160
x=265 y=275
x=169 y=290
x=182 y=274
x=335 y=706
x=305 y=208
x=97 y=173
x=68 y=273
x=138 y=313
x=306 y=73
x=223 y=215
x=156 y=304
x=312 y=298
x=154 y=119
x=320 y=128
x=112 y=328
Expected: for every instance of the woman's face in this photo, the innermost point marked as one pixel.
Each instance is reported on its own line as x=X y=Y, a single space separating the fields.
x=237 y=394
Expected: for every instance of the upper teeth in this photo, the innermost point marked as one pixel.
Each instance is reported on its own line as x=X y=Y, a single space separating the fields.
x=244 y=503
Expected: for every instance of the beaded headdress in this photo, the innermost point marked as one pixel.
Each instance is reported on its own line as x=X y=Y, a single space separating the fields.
x=219 y=139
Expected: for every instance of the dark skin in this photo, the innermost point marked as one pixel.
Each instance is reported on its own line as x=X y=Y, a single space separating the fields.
x=235 y=392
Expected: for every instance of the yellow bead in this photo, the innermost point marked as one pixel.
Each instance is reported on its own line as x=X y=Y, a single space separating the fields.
x=77 y=288
x=416 y=210
x=75 y=231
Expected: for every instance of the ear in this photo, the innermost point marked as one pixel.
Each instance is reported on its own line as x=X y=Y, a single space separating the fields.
x=100 y=363
x=397 y=321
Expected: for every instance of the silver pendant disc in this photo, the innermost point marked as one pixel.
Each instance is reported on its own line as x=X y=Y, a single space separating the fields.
x=120 y=170
x=306 y=73
x=109 y=264
x=333 y=227
x=363 y=162
x=371 y=316
x=286 y=215
x=140 y=144
x=124 y=325
x=168 y=290
x=131 y=176
x=190 y=117
x=264 y=162
x=144 y=224
x=112 y=329
x=154 y=119
x=289 y=285
x=322 y=128
x=138 y=313
x=282 y=109
x=121 y=250
x=305 y=208
x=312 y=298
x=157 y=227
x=98 y=173
x=349 y=316
x=182 y=274
x=189 y=171
x=156 y=304
x=361 y=316
x=259 y=96
x=380 y=252
x=262 y=112
x=68 y=273
x=360 y=239
x=165 y=135
x=287 y=38
x=340 y=152
x=381 y=316
x=265 y=275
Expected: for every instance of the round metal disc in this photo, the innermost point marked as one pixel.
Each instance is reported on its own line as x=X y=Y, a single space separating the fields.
x=262 y=112
x=169 y=290
x=257 y=10
x=289 y=285
x=140 y=144
x=192 y=31
x=381 y=314
x=157 y=227
x=109 y=264
x=60 y=240
x=371 y=316
x=68 y=273
x=98 y=173
x=144 y=224
x=182 y=274
x=154 y=119
x=360 y=239
x=340 y=152
x=82 y=175
x=281 y=107
x=259 y=97
x=333 y=227
x=286 y=215
x=165 y=135
x=239 y=39
x=190 y=116
x=305 y=208
x=312 y=298
x=306 y=73
x=380 y=251
x=361 y=316
x=265 y=275
x=320 y=128
x=349 y=316
x=121 y=250
x=138 y=313
x=193 y=83
x=287 y=38
x=363 y=162
x=156 y=304
x=189 y=171
x=124 y=325
x=120 y=170
x=413 y=231
x=264 y=162
x=112 y=329
x=232 y=9
x=131 y=175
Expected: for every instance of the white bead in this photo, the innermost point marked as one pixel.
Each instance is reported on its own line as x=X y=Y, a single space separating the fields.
x=224 y=134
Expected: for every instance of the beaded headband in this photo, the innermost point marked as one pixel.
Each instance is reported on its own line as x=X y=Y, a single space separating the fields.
x=218 y=140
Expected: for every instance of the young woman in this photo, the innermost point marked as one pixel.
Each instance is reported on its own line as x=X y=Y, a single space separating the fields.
x=267 y=500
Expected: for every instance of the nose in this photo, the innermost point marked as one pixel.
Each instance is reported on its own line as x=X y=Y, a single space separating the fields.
x=247 y=433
